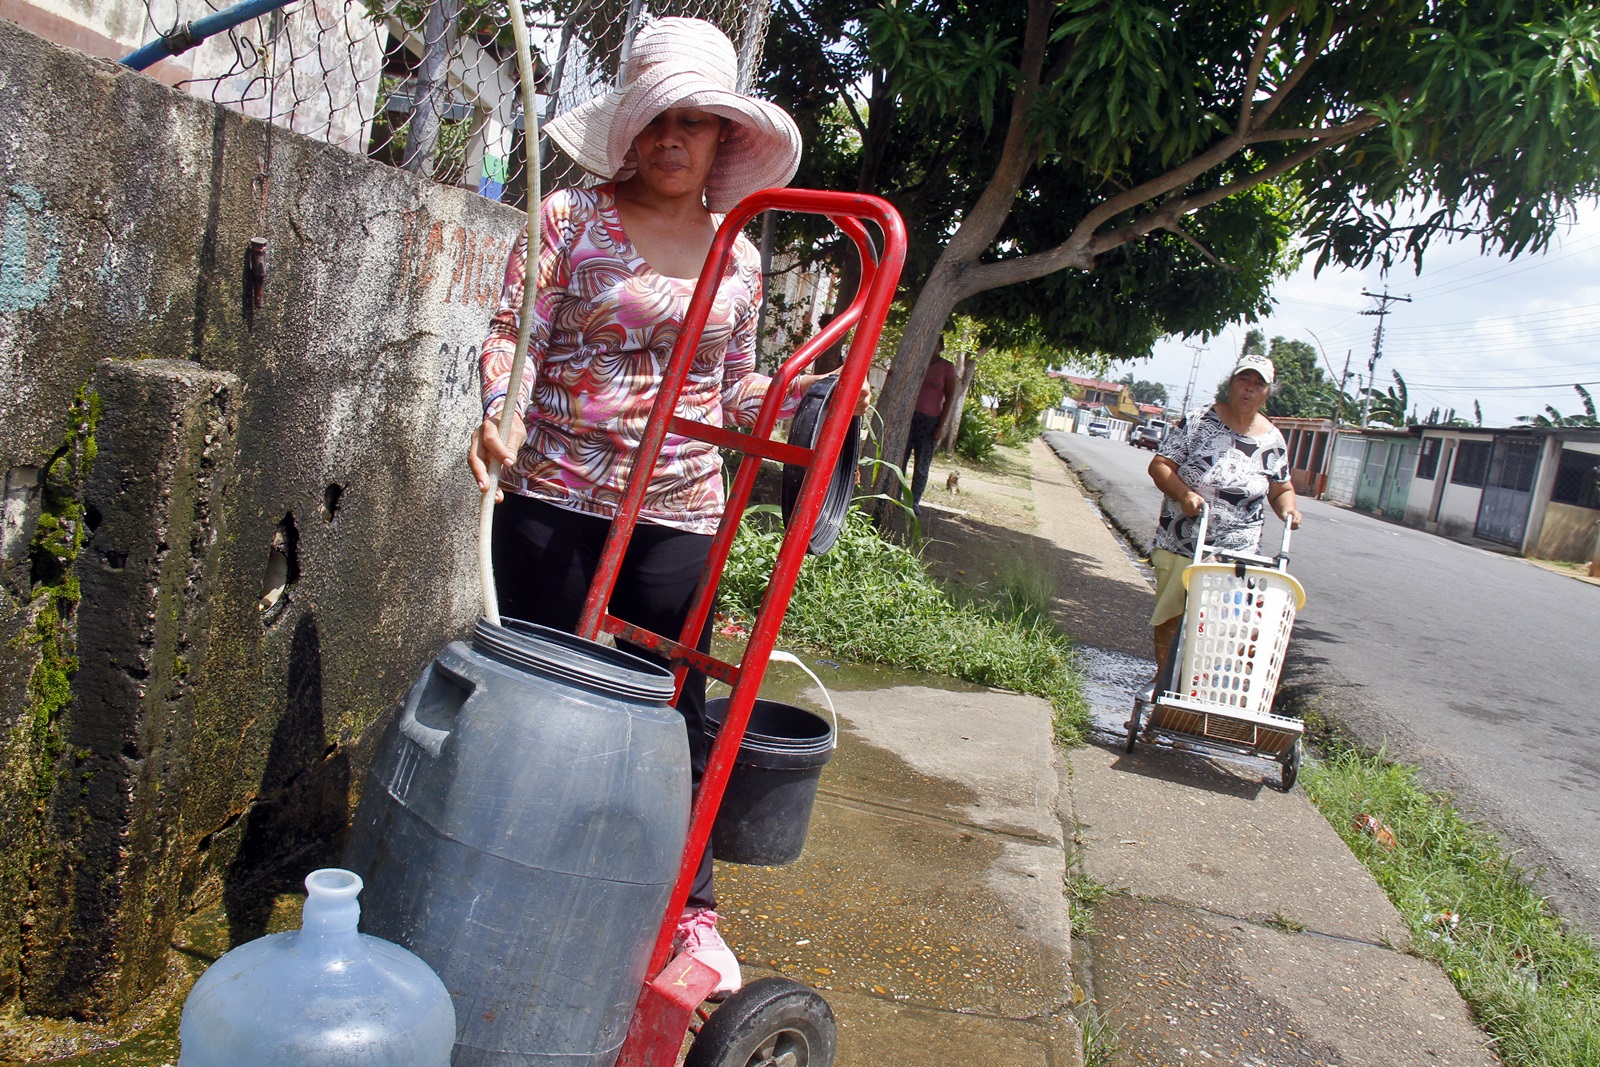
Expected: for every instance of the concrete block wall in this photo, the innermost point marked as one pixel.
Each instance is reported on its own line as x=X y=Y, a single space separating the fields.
x=236 y=516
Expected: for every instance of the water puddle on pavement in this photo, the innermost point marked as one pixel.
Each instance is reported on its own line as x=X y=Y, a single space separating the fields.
x=1109 y=681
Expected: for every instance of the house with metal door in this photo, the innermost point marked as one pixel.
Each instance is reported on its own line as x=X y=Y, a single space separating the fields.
x=1371 y=470
x=1535 y=489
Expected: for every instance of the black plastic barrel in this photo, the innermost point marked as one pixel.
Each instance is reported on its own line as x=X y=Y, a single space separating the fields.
x=521 y=830
x=766 y=809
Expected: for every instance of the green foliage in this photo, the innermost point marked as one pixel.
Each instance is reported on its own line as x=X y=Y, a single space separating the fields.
x=1144 y=392
x=57 y=540
x=1300 y=390
x=449 y=152
x=1552 y=417
x=1019 y=381
x=1387 y=408
x=922 y=140
x=1535 y=987
x=899 y=615
x=1485 y=113
x=980 y=431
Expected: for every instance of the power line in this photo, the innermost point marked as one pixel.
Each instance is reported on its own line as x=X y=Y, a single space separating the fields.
x=1554 y=388
x=1496 y=273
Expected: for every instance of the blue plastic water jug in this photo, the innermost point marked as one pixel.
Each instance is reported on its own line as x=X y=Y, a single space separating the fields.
x=521 y=830
x=325 y=995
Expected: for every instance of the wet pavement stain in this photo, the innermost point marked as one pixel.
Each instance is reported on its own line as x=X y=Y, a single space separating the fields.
x=1110 y=679
x=925 y=928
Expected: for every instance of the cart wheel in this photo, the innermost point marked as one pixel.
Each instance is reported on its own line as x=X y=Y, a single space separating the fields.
x=1291 y=764
x=1133 y=727
x=772 y=1022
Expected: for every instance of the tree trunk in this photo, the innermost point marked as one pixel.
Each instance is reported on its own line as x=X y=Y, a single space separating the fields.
x=432 y=88
x=952 y=278
x=928 y=316
x=952 y=430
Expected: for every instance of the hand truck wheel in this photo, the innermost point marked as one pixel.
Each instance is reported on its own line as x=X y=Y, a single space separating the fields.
x=1133 y=727
x=772 y=1022
x=1291 y=764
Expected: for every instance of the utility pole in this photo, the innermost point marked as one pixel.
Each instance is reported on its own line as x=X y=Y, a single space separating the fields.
x=1338 y=400
x=1384 y=300
x=1194 y=370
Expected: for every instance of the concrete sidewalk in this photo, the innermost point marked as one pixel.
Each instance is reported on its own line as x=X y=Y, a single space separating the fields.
x=928 y=905
x=930 y=909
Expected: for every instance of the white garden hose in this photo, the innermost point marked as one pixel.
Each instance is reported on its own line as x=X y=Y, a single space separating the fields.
x=778 y=655
x=532 y=160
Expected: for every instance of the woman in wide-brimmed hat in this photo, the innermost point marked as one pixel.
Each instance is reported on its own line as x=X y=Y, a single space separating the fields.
x=615 y=271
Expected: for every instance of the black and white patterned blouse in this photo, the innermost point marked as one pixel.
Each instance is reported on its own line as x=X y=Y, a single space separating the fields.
x=1232 y=471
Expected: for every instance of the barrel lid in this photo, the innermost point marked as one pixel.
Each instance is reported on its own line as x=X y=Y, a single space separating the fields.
x=571 y=658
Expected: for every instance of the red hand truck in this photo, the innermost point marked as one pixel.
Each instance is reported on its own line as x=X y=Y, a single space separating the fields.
x=761 y=1023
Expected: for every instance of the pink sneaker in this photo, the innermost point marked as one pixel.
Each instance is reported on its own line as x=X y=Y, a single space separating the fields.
x=697 y=935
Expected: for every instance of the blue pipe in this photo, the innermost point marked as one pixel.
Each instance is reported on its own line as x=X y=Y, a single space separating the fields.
x=189 y=34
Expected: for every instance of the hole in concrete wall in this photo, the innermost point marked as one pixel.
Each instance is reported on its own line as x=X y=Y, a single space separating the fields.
x=283 y=569
x=91 y=517
x=20 y=517
x=330 y=501
x=116 y=560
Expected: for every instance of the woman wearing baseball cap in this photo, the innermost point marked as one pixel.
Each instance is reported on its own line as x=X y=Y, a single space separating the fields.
x=1229 y=457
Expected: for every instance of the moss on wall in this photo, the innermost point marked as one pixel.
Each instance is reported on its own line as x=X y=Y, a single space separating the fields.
x=57 y=541
x=43 y=647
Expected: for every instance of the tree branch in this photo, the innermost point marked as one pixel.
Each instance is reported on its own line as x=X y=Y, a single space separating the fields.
x=1080 y=252
x=1326 y=133
x=981 y=224
x=1194 y=242
x=1257 y=61
x=855 y=116
x=801 y=22
x=1287 y=86
x=1176 y=209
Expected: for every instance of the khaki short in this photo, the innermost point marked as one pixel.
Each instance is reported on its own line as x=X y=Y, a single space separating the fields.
x=1170 y=594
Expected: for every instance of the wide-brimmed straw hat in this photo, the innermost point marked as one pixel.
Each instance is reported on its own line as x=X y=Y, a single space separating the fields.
x=680 y=62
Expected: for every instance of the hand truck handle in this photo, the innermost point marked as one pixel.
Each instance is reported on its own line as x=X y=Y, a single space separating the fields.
x=1200 y=531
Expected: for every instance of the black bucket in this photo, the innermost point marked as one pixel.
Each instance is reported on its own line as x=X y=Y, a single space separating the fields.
x=767 y=806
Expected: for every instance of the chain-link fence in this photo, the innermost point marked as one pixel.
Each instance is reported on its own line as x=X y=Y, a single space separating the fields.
x=430 y=85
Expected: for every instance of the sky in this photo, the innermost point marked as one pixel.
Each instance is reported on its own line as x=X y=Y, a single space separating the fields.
x=1512 y=334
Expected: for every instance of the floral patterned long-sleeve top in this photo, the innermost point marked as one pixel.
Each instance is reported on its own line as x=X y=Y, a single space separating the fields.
x=603 y=330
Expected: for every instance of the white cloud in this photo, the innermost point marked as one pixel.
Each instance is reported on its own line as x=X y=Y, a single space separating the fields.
x=1513 y=334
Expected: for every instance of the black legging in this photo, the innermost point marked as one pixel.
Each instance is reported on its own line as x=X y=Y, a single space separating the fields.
x=544 y=560
x=920 y=442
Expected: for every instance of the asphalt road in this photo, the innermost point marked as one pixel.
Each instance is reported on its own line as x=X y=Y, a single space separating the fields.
x=1478 y=667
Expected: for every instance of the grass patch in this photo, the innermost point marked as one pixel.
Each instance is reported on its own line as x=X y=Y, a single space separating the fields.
x=871 y=601
x=1287 y=923
x=1531 y=984
x=1007 y=464
x=1084 y=892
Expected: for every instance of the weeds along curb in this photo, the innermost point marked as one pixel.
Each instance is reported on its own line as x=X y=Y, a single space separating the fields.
x=1533 y=985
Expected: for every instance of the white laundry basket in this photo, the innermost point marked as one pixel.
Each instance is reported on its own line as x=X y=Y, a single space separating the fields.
x=1235 y=632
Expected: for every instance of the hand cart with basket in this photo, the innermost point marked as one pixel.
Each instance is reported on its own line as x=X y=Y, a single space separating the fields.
x=1217 y=688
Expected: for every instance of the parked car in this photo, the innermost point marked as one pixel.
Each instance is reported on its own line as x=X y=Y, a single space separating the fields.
x=1149 y=435
x=1099 y=428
